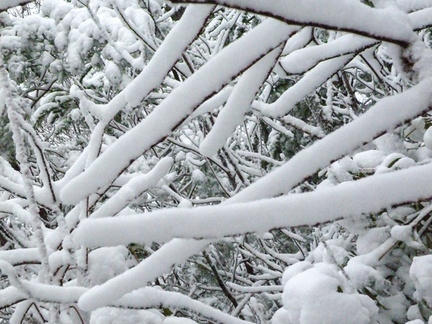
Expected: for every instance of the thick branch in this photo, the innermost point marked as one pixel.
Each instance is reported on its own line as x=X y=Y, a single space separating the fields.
x=381 y=23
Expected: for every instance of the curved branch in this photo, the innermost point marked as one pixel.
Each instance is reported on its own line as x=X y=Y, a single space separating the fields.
x=388 y=25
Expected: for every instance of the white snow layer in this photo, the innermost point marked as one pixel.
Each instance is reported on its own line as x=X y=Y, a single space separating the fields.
x=307 y=84
x=384 y=116
x=21 y=256
x=108 y=315
x=177 y=107
x=314 y=296
x=238 y=103
x=153 y=74
x=420 y=273
x=133 y=188
x=306 y=58
x=387 y=24
x=6 y=4
x=213 y=222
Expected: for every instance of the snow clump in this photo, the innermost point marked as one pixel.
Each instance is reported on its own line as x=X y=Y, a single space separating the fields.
x=318 y=295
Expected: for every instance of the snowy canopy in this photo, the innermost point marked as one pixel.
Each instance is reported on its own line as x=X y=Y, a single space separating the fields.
x=234 y=161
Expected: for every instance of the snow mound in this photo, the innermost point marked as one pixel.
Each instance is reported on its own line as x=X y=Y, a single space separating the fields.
x=316 y=296
x=420 y=273
x=108 y=315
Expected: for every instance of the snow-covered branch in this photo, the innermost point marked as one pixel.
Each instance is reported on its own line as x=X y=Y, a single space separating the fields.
x=7 y=4
x=388 y=24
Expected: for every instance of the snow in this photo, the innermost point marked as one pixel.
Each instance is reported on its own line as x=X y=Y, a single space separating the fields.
x=54 y=294
x=58 y=259
x=298 y=40
x=238 y=103
x=177 y=320
x=130 y=281
x=369 y=159
x=144 y=298
x=374 y=257
x=402 y=233
x=362 y=276
x=89 y=246
x=16 y=124
x=17 y=209
x=428 y=138
x=396 y=306
x=198 y=176
x=341 y=171
x=300 y=124
x=306 y=58
x=2 y=100
x=414 y=313
x=387 y=24
x=294 y=270
x=125 y=316
x=106 y=263
x=137 y=277
x=252 y=289
x=395 y=161
x=10 y=296
x=417 y=321
x=112 y=72
x=313 y=296
x=149 y=297
x=421 y=19
x=133 y=188
x=420 y=273
x=212 y=222
x=6 y=4
x=413 y=5
x=422 y=56
x=372 y=239
x=384 y=116
x=333 y=251
x=185 y=99
x=211 y=104
x=307 y=84
x=165 y=57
